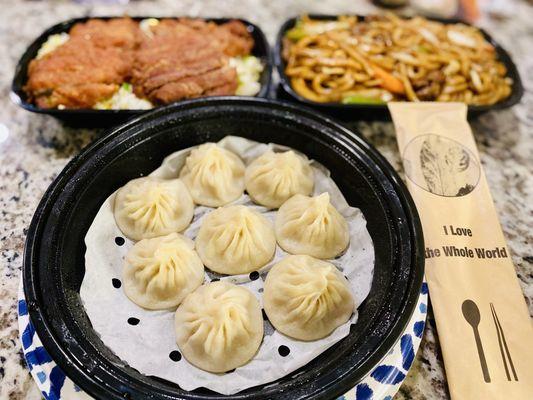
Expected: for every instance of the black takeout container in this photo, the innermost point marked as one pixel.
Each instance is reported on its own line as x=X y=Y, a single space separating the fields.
x=107 y=118
x=380 y=111
x=54 y=253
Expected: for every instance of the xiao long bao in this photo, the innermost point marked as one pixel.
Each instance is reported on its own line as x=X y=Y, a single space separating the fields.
x=149 y=207
x=273 y=178
x=235 y=240
x=219 y=327
x=158 y=273
x=311 y=226
x=264 y=313
x=214 y=176
x=306 y=298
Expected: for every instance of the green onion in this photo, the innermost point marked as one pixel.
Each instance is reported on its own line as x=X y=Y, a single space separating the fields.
x=358 y=99
x=295 y=34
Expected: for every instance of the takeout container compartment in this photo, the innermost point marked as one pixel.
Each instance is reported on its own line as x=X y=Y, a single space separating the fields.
x=54 y=254
x=380 y=111
x=107 y=118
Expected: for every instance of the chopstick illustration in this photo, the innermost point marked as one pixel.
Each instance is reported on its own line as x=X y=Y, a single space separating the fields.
x=503 y=345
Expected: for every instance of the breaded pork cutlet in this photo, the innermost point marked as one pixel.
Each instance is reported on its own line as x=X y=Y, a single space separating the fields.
x=88 y=68
x=116 y=32
x=232 y=36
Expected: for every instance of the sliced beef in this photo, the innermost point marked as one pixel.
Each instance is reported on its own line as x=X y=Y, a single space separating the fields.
x=429 y=87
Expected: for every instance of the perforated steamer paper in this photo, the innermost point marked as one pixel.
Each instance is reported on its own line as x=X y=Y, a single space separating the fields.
x=482 y=319
x=149 y=344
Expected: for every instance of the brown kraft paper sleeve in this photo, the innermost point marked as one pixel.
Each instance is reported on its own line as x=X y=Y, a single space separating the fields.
x=482 y=319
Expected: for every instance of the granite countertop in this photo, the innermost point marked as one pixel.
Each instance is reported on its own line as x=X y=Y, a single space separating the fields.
x=34 y=149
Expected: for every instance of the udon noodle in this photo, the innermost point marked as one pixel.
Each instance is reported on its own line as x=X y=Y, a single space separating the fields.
x=384 y=58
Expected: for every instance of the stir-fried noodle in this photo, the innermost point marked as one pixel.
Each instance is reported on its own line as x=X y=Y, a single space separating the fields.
x=385 y=58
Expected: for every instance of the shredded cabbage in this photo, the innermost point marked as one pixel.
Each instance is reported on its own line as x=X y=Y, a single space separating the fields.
x=124 y=99
x=146 y=25
x=52 y=43
x=249 y=70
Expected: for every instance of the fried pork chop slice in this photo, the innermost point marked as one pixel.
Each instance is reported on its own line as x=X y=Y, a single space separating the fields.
x=161 y=76
x=77 y=75
x=81 y=95
x=184 y=59
x=232 y=36
x=220 y=81
x=116 y=32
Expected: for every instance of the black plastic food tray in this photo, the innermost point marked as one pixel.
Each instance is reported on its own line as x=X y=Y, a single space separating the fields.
x=107 y=118
x=54 y=255
x=380 y=111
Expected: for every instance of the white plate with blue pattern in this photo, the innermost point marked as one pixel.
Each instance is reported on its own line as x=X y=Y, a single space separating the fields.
x=382 y=383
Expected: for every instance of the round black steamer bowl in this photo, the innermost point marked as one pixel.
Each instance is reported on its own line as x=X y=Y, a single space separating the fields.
x=54 y=256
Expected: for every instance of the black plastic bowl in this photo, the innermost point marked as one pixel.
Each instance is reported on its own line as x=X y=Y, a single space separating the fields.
x=54 y=253
x=108 y=118
x=380 y=111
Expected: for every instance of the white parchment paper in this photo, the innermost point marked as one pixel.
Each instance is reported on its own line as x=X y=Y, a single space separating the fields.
x=147 y=345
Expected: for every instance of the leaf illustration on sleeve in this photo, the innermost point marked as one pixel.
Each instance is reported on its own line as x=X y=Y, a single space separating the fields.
x=445 y=167
x=457 y=159
x=429 y=161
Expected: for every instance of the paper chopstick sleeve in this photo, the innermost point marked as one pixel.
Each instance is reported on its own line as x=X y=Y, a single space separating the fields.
x=482 y=319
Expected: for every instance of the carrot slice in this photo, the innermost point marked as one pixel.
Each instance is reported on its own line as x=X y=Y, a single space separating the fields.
x=388 y=81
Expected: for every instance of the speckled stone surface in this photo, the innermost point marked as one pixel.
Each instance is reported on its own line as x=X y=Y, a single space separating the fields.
x=34 y=148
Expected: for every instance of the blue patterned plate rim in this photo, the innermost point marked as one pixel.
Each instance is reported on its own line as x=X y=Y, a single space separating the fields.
x=382 y=383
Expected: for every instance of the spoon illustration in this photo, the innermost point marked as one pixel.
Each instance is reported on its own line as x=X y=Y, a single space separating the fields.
x=473 y=317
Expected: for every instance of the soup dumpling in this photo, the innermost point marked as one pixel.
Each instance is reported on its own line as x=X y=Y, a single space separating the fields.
x=306 y=298
x=219 y=326
x=149 y=207
x=273 y=178
x=311 y=226
x=235 y=240
x=158 y=273
x=214 y=176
